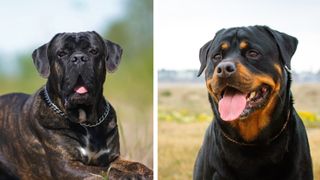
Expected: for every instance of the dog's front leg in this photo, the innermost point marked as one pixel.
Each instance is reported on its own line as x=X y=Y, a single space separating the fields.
x=123 y=169
x=72 y=169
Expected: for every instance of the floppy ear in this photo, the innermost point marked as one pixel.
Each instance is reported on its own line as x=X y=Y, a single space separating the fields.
x=203 y=55
x=113 y=55
x=41 y=61
x=287 y=45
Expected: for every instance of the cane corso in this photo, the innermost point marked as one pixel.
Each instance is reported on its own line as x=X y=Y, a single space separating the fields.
x=67 y=129
x=256 y=133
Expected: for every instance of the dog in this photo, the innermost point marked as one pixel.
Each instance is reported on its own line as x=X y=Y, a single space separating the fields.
x=67 y=129
x=256 y=132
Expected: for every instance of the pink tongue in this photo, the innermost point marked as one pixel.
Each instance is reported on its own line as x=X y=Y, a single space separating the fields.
x=232 y=105
x=81 y=90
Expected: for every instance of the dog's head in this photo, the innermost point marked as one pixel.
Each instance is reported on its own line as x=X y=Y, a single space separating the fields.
x=75 y=65
x=247 y=72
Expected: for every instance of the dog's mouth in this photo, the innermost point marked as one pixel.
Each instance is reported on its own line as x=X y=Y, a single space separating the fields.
x=79 y=101
x=80 y=87
x=79 y=94
x=235 y=104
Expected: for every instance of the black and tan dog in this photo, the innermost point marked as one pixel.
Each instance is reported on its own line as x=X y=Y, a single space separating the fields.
x=66 y=130
x=256 y=133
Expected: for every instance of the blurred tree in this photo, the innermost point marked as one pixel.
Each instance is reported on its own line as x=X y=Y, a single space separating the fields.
x=132 y=85
x=28 y=79
x=26 y=69
x=134 y=32
x=1 y=71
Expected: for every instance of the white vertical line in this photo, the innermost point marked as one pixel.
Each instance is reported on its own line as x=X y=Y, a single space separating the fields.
x=155 y=93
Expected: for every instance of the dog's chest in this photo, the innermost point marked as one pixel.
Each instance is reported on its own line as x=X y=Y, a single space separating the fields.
x=93 y=149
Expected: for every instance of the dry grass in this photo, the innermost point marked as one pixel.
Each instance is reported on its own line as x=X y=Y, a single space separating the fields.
x=178 y=147
x=307 y=97
x=179 y=142
x=136 y=132
x=314 y=141
x=192 y=97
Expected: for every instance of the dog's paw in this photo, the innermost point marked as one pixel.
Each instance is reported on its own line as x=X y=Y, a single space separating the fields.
x=116 y=174
x=94 y=177
x=127 y=170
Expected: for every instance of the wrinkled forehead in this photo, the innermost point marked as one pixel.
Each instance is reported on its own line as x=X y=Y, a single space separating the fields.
x=250 y=35
x=76 y=40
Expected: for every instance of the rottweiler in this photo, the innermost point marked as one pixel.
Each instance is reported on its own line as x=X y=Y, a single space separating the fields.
x=256 y=132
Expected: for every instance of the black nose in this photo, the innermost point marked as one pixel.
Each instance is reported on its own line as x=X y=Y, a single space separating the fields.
x=79 y=57
x=226 y=69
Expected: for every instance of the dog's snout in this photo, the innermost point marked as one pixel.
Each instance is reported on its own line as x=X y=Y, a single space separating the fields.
x=226 y=69
x=79 y=57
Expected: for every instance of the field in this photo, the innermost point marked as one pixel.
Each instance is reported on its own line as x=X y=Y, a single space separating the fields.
x=184 y=115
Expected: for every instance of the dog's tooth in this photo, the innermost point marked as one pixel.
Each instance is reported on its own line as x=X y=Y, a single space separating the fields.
x=252 y=95
x=82 y=115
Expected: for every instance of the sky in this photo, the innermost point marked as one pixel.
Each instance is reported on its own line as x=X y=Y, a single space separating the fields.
x=182 y=27
x=26 y=25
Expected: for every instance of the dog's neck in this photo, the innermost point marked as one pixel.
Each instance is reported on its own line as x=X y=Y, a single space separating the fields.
x=88 y=118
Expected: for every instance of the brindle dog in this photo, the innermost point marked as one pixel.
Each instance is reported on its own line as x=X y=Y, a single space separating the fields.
x=67 y=129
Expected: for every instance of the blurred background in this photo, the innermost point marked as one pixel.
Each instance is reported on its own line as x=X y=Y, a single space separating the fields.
x=182 y=27
x=26 y=25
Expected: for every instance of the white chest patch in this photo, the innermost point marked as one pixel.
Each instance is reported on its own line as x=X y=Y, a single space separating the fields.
x=91 y=155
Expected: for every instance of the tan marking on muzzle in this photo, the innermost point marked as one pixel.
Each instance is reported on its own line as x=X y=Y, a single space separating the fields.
x=278 y=69
x=209 y=83
x=250 y=127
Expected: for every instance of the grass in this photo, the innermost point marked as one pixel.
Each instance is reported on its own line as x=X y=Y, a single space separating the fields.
x=184 y=114
x=179 y=144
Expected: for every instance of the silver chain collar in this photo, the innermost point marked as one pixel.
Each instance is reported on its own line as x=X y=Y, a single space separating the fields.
x=55 y=108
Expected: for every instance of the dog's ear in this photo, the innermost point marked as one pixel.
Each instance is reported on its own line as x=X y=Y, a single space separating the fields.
x=41 y=61
x=287 y=45
x=203 y=56
x=113 y=55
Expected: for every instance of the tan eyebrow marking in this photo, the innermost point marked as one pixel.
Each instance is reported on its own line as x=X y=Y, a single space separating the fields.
x=225 y=45
x=243 y=44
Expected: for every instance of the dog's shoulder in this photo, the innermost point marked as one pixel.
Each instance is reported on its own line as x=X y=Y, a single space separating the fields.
x=11 y=103
x=13 y=98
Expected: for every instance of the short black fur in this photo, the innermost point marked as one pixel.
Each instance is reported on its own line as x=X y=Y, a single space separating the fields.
x=287 y=156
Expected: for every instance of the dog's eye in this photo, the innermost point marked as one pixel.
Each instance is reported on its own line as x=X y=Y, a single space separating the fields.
x=93 y=51
x=217 y=56
x=252 y=54
x=61 y=53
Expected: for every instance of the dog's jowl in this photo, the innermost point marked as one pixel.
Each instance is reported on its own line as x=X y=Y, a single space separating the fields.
x=67 y=129
x=256 y=132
